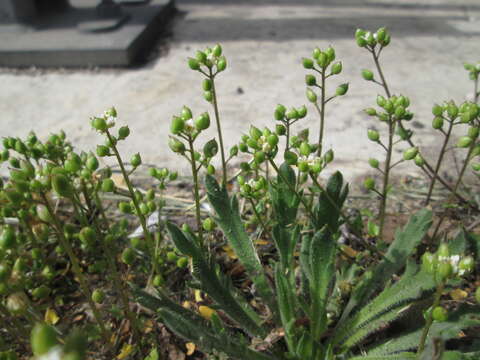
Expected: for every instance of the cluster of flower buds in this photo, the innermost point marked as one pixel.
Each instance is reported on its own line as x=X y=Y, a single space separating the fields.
x=445 y=266
x=394 y=109
x=305 y=156
x=262 y=144
x=185 y=126
x=163 y=176
x=254 y=188
x=146 y=203
x=370 y=39
x=211 y=59
x=466 y=113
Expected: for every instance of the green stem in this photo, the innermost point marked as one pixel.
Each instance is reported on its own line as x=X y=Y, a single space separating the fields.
x=257 y=214
x=428 y=325
x=196 y=194
x=219 y=129
x=76 y=268
x=141 y=217
x=287 y=126
x=322 y=116
x=439 y=162
x=386 y=177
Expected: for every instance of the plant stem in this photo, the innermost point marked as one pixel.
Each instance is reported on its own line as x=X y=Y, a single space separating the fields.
x=386 y=177
x=322 y=116
x=219 y=129
x=257 y=214
x=380 y=72
x=196 y=194
x=141 y=217
x=76 y=269
x=428 y=324
x=439 y=162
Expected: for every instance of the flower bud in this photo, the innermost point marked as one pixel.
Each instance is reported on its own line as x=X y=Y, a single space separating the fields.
x=429 y=262
x=367 y=75
x=342 y=89
x=208 y=96
x=202 y=122
x=373 y=163
x=210 y=149
x=437 y=110
x=371 y=111
x=369 y=183
x=410 y=154
x=419 y=160
x=221 y=64
x=42 y=339
x=310 y=80
x=464 y=142
x=123 y=132
x=373 y=135
x=136 y=160
x=176 y=146
x=336 y=68
x=305 y=149
x=307 y=63
x=444 y=270
x=311 y=96
x=439 y=314
x=292 y=114
x=99 y=124
x=437 y=122
x=259 y=157
x=193 y=64
x=217 y=50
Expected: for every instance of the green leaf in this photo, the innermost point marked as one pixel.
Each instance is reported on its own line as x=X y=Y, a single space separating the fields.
x=284 y=200
x=287 y=305
x=402 y=356
x=285 y=242
x=228 y=218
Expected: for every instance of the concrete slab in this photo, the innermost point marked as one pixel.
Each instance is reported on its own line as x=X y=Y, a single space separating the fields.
x=60 y=39
x=264 y=41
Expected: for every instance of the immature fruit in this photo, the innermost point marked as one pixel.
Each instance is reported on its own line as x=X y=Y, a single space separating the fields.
x=410 y=154
x=280 y=111
x=193 y=64
x=108 y=185
x=41 y=292
x=7 y=238
x=87 y=236
x=307 y=63
x=342 y=89
x=369 y=184
x=445 y=270
x=208 y=224
x=371 y=111
x=337 y=68
x=367 y=75
x=452 y=110
x=92 y=163
x=292 y=114
x=439 y=314
x=61 y=185
x=255 y=133
x=322 y=60
x=125 y=208
x=99 y=124
x=201 y=56
x=419 y=160
x=202 y=122
x=103 y=150
x=259 y=157
x=158 y=280
x=43 y=213
x=373 y=163
x=473 y=132
x=466 y=264
x=305 y=148
x=329 y=155
x=464 y=142
x=437 y=110
x=182 y=262
x=443 y=250
x=171 y=256
x=98 y=296
x=42 y=338
x=128 y=256
x=310 y=80
x=437 y=123
x=221 y=64
x=290 y=158
x=311 y=96
x=176 y=146
x=210 y=149
x=302 y=111
x=373 y=135
x=303 y=166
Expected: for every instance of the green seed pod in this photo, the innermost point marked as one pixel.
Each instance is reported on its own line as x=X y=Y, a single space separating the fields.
x=234 y=151
x=476 y=150
x=369 y=184
x=280 y=111
x=158 y=280
x=373 y=163
x=207 y=85
x=42 y=339
x=410 y=154
x=99 y=124
x=437 y=110
x=123 y=132
x=443 y=251
x=217 y=50
x=172 y=256
x=367 y=75
x=221 y=64
x=87 y=236
x=125 y=208
x=98 y=296
x=182 y=262
x=464 y=142
x=255 y=133
x=62 y=186
x=41 y=292
x=290 y=158
x=108 y=185
x=419 y=160
x=400 y=112
x=210 y=149
x=272 y=140
x=103 y=150
x=186 y=113
x=202 y=122
x=43 y=213
x=280 y=129
x=371 y=111
x=176 y=146
x=128 y=256
x=361 y=41
x=467 y=264
x=373 y=135
x=253 y=144
x=177 y=125
x=437 y=122
x=292 y=114
x=208 y=224
x=259 y=157
x=429 y=262
x=322 y=60
x=73 y=164
x=310 y=80
x=243 y=147
x=193 y=64
x=5 y=154
x=370 y=39
x=330 y=52
x=200 y=57
x=136 y=160
x=444 y=270
x=452 y=110
x=92 y=163
x=359 y=33
x=305 y=149
x=316 y=52
x=381 y=101
x=380 y=35
x=302 y=111
x=208 y=96
x=342 y=89
x=303 y=166
x=7 y=238
x=473 y=132
x=439 y=314
x=329 y=156
x=311 y=96
x=307 y=63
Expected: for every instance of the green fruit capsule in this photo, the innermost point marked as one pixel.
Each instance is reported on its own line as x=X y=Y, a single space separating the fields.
x=464 y=142
x=43 y=213
x=158 y=280
x=202 y=122
x=217 y=50
x=316 y=53
x=128 y=256
x=437 y=123
x=280 y=129
x=439 y=314
x=208 y=224
x=98 y=296
x=193 y=64
x=310 y=80
x=476 y=166
x=42 y=338
x=99 y=124
x=41 y=292
x=322 y=60
x=369 y=184
x=373 y=135
x=103 y=150
x=311 y=96
x=307 y=63
x=136 y=160
x=342 y=89
x=400 y=112
x=182 y=262
x=302 y=111
x=87 y=236
x=272 y=140
x=367 y=74
x=108 y=185
x=419 y=160
x=410 y=154
x=208 y=96
x=255 y=133
x=473 y=132
x=452 y=110
x=373 y=163
x=259 y=157
x=330 y=52
x=290 y=158
x=210 y=149
x=329 y=156
x=429 y=262
x=7 y=238
x=437 y=110
x=125 y=208
x=123 y=132
x=444 y=270
x=201 y=56
x=207 y=85
x=305 y=148
x=221 y=64
x=380 y=35
x=292 y=114
x=186 y=113
x=303 y=166
x=61 y=185
x=381 y=101
x=176 y=146
x=177 y=125
x=171 y=256
x=371 y=111
x=361 y=41
x=92 y=163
